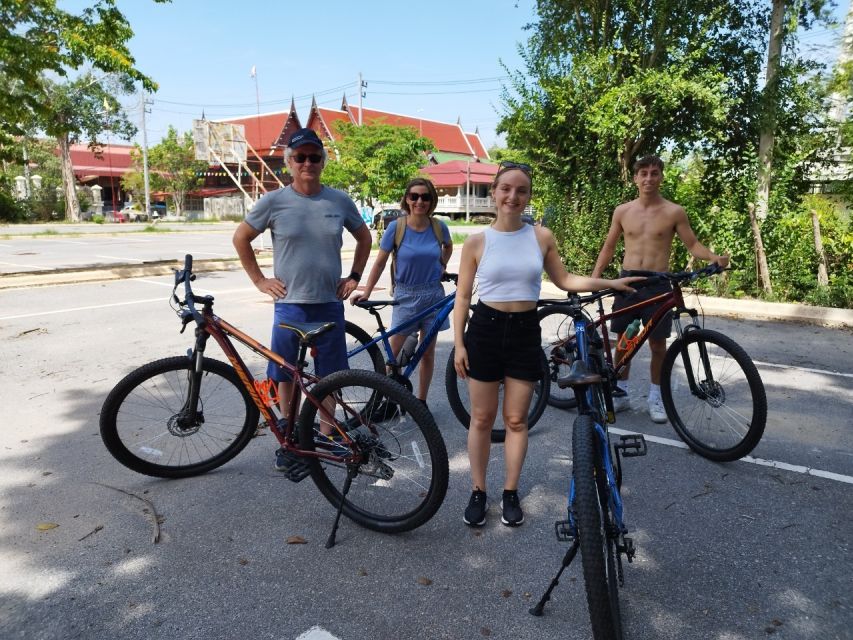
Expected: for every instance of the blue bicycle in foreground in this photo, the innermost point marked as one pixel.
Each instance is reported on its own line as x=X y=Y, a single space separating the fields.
x=595 y=525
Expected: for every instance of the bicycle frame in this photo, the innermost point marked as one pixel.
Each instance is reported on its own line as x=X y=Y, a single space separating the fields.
x=222 y=331
x=587 y=405
x=444 y=307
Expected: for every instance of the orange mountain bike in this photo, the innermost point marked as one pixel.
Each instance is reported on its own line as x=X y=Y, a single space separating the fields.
x=711 y=390
x=185 y=415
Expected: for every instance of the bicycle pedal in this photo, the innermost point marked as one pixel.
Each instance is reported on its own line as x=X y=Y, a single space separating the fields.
x=297 y=470
x=631 y=446
x=564 y=531
x=628 y=549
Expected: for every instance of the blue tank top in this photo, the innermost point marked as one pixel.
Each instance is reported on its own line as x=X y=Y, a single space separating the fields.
x=511 y=267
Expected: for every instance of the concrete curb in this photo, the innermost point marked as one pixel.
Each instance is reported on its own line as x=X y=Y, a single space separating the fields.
x=755 y=310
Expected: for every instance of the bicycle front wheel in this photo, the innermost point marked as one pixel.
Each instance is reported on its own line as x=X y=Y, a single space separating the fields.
x=401 y=477
x=595 y=531
x=148 y=427
x=558 y=330
x=713 y=395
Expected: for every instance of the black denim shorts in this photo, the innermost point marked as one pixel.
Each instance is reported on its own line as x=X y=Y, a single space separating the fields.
x=503 y=345
x=622 y=300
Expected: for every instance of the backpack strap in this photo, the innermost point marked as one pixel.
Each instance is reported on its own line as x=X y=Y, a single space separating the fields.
x=399 y=232
x=439 y=236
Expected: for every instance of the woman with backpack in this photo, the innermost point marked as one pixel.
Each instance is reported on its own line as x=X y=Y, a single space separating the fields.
x=420 y=247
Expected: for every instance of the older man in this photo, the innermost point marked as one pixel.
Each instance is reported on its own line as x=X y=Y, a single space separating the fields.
x=306 y=220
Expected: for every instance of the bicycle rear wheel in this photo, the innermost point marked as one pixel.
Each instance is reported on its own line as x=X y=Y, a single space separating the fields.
x=146 y=426
x=595 y=531
x=713 y=395
x=558 y=332
x=402 y=475
x=457 y=396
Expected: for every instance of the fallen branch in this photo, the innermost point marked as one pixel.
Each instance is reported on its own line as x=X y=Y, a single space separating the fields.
x=155 y=519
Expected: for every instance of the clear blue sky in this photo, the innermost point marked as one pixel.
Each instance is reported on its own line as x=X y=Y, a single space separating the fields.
x=200 y=52
x=439 y=60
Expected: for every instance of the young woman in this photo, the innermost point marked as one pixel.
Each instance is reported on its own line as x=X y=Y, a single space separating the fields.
x=420 y=262
x=503 y=337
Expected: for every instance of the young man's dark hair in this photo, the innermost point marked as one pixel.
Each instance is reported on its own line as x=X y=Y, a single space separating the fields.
x=648 y=161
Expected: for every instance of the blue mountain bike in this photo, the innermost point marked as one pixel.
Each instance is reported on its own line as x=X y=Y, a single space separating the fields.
x=366 y=352
x=595 y=519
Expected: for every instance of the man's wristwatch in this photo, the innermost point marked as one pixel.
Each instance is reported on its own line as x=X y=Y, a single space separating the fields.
x=354 y=275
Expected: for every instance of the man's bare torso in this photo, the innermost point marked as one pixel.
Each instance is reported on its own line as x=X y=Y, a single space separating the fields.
x=648 y=230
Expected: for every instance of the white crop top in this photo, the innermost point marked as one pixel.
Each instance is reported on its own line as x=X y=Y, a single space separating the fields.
x=511 y=267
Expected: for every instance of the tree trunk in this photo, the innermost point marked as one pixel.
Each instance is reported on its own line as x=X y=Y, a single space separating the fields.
x=69 y=186
x=822 y=277
x=768 y=110
x=760 y=256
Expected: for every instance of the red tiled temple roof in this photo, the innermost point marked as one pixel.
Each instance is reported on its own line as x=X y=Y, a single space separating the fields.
x=114 y=161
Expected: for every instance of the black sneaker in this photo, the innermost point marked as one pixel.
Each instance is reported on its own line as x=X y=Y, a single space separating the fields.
x=475 y=513
x=512 y=515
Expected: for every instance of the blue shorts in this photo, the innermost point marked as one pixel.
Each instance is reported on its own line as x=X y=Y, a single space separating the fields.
x=331 y=346
x=414 y=298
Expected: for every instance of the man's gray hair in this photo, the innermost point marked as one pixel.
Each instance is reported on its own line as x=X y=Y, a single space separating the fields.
x=289 y=152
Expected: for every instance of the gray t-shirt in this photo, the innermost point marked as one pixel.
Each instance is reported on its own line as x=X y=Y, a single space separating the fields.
x=307 y=235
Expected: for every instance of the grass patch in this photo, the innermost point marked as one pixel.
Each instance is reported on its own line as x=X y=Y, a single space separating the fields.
x=47 y=232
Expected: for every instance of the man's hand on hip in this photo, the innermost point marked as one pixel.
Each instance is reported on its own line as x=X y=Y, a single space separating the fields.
x=272 y=287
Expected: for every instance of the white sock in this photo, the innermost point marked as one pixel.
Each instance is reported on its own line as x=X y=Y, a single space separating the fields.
x=654 y=392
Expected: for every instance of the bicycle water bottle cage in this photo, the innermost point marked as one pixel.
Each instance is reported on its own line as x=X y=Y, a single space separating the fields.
x=308 y=331
x=579 y=375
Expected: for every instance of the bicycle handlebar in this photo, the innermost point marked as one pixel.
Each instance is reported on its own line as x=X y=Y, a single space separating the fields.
x=654 y=277
x=185 y=276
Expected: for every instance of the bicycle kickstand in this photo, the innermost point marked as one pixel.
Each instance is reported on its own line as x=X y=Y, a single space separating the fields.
x=567 y=560
x=351 y=473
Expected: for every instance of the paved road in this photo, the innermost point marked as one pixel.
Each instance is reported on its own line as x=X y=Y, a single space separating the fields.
x=41 y=248
x=730 y=551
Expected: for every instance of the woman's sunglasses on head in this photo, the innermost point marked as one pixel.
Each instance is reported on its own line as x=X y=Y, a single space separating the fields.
x=515 y=165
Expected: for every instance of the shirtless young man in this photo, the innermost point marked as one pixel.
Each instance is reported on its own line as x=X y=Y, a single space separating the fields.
x=648 y=224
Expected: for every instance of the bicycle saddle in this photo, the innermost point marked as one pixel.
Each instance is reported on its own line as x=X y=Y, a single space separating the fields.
x=308 y=331
x=579 y=375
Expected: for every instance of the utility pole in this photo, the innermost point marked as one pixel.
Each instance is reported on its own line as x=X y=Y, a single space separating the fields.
x=145 y=104
x=362 y=85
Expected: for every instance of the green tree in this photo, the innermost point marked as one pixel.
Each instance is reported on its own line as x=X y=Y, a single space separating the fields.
x=37 y=38
x=172 y=168
x=84 y=109
x=374 y=161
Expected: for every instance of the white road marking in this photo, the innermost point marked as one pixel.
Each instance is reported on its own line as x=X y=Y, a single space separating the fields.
x=19 y=264
x=796 y=468
x=317 y=633
x=810 y=370
x=118 y=304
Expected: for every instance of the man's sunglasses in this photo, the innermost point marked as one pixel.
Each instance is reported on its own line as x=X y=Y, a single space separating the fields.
x=413 y=197
x=515 y=165
x=315 y=158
